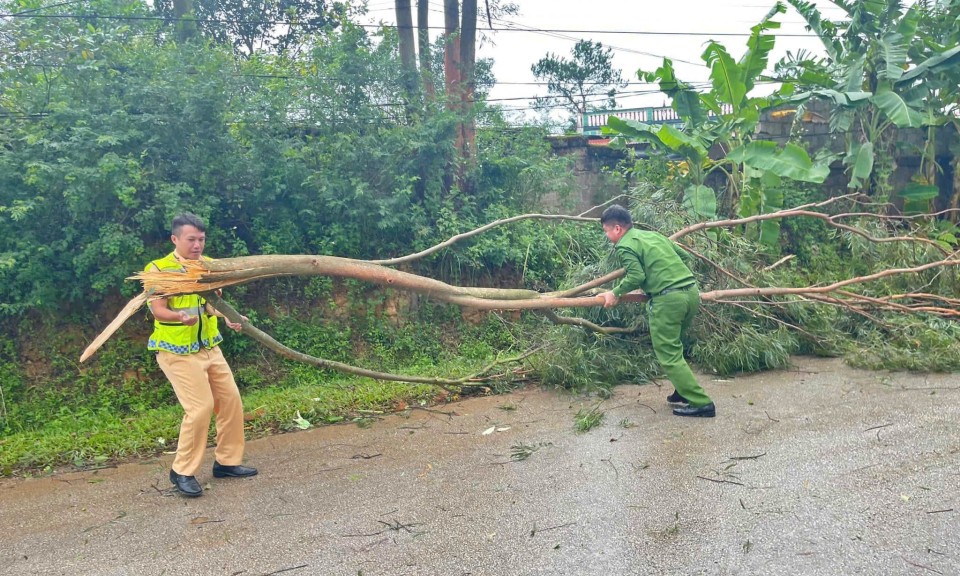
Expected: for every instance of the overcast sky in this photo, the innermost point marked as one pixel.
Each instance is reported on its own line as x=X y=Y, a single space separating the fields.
x=619 y=24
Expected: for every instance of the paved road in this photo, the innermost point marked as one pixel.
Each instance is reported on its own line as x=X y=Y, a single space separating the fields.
x=816 y=470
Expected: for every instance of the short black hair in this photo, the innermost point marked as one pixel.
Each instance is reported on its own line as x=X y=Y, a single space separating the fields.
x=186 y=219
x=616 y=214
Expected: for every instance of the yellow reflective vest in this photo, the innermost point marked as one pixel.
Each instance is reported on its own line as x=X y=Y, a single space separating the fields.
x=177 y=337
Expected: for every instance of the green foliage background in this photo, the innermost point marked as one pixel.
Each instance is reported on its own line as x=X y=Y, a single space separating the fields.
x=109 y=126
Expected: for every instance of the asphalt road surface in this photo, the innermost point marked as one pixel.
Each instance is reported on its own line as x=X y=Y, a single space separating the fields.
x=820 y=469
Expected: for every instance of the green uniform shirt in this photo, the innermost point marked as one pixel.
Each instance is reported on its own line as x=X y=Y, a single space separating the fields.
x=653 y=263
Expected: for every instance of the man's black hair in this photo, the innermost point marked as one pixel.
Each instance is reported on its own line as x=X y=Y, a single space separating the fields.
x=616 y=214
x=186 y=219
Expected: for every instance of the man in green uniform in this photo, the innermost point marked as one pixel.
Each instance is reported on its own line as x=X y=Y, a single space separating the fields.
x=654 y=263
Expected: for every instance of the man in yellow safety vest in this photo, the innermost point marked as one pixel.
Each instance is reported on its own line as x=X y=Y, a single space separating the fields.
x=185 y=338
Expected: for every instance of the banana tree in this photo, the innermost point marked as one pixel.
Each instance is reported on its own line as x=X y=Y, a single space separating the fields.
x=722 y=121
x=867 y=76
x=938 y=76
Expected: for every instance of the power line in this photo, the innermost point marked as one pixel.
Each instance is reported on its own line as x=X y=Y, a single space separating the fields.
x=57 y=5
x=574 y=39
x=96 y=16
x=328 y=78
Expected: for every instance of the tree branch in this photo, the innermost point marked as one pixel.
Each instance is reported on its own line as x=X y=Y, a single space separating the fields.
x=830 y=220
x=584 y=323
x=269 y=342
x=452 y=240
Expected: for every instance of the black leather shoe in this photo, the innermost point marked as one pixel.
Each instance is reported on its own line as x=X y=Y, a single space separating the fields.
x=187 y=485
x=708 y=411
x=221 y=471
x=676 y=398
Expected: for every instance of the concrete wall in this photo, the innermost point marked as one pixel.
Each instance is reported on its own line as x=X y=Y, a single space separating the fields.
x=814 y=132
x=593 y=167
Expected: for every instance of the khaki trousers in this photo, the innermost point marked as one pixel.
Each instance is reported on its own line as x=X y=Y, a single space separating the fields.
x=204 y=385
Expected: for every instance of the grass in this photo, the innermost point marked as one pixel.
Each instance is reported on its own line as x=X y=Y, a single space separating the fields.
x=121 y=407
x=91 y=425
x=588 y=419
x=521 y=451
x=97 y=438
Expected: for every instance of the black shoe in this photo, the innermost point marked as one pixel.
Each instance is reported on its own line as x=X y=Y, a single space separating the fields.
x=187 y=485
x=708 y=411
x=221 y=471
x=676 y=398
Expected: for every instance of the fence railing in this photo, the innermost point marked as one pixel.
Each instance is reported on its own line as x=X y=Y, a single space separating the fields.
x=591 y=123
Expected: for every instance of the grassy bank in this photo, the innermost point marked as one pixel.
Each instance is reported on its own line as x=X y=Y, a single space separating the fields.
x=82 y=438
x=119 y=406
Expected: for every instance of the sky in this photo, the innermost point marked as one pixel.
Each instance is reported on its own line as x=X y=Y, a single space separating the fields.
x=626 y=26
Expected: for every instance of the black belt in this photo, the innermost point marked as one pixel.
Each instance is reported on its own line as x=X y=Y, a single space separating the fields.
x=677 y=289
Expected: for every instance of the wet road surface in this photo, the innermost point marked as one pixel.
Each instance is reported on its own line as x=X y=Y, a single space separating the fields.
x=820 y=469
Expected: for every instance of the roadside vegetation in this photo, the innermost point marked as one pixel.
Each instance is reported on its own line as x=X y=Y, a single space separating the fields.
x=330 y=141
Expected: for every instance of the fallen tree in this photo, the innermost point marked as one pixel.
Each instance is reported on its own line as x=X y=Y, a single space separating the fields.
x=209 y=277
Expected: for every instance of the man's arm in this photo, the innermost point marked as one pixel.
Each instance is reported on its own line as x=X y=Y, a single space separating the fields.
x=635 y=274
x=162 y=312
x=632 y=280
x=235 y=326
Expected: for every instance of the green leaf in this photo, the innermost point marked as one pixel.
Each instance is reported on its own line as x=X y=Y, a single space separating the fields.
x=917 y=191
x=680 y=142
x=791 y=162
x=853 y=77
x=948 y=239
x=769 y=232
x=845 y=99
x=913 y=207
x=726 y=76
x=702 y=200
x=897 y=110
x=908 y=24
x=772 y=199
x=769 y=180
x=749 y=202
x=862 y=159
x=946 y=59
x=759 y=45
x=873 y=7
x=687 y=105
x=632 y=129
x=712 y=104
x=824 y=29
x=685 y=100
x=895 y=56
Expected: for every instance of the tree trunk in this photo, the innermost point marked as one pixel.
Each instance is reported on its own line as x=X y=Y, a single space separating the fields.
x=451 y=52
x=423 y=37
x=408 y=57
x=955 y=193
x=468 y=54
x=451 y=71
x=186 y=29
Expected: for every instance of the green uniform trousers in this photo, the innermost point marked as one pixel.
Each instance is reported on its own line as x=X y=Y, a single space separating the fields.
x=670 y=315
